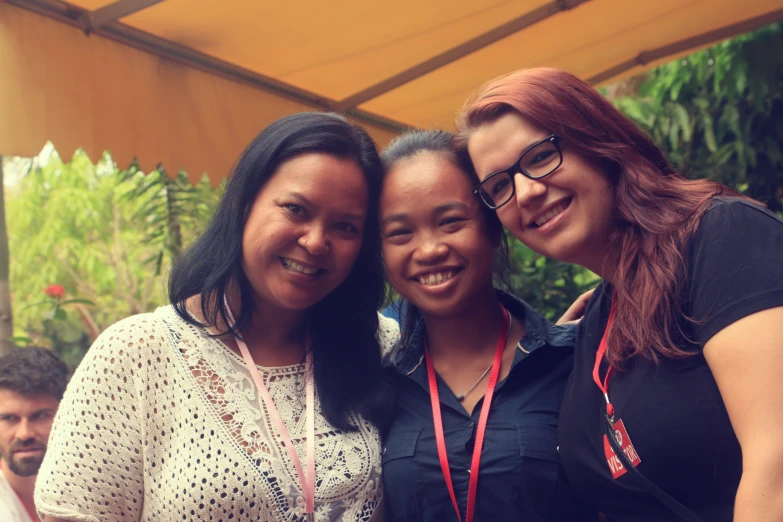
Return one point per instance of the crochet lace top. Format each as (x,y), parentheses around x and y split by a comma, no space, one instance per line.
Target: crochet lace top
(161,422)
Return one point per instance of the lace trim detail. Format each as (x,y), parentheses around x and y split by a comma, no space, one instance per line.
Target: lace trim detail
(347,464)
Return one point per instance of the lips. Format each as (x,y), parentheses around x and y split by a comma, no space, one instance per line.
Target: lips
(300,267)
(436,277)
(550,213)
(28,449)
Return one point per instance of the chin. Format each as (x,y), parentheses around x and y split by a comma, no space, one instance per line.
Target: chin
(294,301)
(450,308)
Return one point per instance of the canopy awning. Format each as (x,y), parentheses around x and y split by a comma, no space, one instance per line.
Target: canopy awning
(189,82)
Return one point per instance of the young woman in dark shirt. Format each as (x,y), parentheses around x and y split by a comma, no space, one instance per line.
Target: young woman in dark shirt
(474,363)
(689,318)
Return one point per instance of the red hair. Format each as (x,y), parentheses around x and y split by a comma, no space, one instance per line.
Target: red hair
(658,208)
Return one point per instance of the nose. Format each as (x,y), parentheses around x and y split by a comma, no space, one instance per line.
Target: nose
(430,250)
(24,430)
(315,241)
(528,190)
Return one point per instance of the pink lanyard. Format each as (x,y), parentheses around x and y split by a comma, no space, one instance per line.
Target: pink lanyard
(482,425)
(307,481)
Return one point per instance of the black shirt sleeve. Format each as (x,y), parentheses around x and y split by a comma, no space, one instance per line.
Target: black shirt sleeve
(735,266)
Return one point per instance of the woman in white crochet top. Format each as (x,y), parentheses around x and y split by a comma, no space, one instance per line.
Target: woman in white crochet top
(166,417)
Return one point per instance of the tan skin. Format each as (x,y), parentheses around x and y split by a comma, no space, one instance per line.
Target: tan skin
(312,212)
(431,223)
(474,342)
(749,380)
(25,423)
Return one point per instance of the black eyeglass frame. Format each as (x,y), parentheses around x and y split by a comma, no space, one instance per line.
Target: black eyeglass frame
(515,169)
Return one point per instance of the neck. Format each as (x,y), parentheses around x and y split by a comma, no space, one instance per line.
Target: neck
(604,263)
(275,337)
(23,487)
(465,335)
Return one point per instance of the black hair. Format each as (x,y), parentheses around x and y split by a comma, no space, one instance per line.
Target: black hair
(343,326)
(414,143)
(33,371)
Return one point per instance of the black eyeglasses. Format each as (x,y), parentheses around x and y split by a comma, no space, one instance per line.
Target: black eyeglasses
(538,161)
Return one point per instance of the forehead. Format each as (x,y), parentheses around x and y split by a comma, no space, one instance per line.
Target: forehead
(427,178)
(322,178)
(497,144)
(15,403)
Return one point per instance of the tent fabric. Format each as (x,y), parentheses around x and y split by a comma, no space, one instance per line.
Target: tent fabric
(189,82)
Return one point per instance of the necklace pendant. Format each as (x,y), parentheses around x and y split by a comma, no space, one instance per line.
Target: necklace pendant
(461,397)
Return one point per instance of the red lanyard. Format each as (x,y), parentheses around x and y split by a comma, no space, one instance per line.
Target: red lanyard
(599,356)
(482,425)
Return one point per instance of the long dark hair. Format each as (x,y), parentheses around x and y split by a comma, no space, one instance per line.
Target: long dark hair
(343,326)
(413,143)
(659,209)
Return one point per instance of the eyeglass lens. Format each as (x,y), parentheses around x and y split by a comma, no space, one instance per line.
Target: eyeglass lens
(536,163)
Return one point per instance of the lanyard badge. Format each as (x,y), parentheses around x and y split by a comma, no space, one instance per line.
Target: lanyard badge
(616,467)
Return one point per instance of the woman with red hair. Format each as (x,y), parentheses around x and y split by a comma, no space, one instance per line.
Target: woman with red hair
(677,357)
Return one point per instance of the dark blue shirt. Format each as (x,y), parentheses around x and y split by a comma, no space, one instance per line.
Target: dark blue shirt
(519,478)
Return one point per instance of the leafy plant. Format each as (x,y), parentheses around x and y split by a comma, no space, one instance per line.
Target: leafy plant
(75,223)
(718,113)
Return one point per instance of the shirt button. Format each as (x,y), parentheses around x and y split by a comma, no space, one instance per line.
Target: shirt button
(468,472)
(470,425)
(383,452)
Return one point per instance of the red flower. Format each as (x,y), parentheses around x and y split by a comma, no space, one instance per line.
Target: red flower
(54,291)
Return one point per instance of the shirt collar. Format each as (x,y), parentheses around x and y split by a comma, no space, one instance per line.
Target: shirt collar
(538,332)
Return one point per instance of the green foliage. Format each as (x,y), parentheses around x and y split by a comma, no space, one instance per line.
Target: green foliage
(547,285)
(88,229)
(168,207)
(108,237)
(718,113)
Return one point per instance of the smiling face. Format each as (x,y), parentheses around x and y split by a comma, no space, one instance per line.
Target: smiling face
(25,423)
(436,246)
(568,215)
(304,231)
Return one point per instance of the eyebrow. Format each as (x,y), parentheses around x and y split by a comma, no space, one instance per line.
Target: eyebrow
(440,209)
(392,218)
(36,412)
(452,205)
(349,216)
(524,151)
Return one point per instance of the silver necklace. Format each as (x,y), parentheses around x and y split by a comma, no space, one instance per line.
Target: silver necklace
(461,396)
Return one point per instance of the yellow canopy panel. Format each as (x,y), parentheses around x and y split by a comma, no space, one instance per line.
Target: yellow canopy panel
(189,82)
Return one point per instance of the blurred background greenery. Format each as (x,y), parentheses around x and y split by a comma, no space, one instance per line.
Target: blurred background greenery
(108,236)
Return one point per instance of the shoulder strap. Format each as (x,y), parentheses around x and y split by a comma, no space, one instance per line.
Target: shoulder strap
(666,499)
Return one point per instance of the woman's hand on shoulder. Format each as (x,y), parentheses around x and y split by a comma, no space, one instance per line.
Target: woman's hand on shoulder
(577,309)
(745,359)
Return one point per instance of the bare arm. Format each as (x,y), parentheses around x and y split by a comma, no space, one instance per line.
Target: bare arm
(747,362)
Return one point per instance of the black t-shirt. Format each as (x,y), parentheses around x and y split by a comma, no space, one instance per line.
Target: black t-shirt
(673,411)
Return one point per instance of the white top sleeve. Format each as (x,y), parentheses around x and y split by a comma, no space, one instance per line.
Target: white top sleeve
(162,422)
(93,465)
(388,333)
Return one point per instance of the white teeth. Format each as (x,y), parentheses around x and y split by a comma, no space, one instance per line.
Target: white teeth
(552,213)
(436,278)
(297,267)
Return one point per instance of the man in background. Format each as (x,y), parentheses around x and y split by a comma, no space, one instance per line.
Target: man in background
(32,382)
